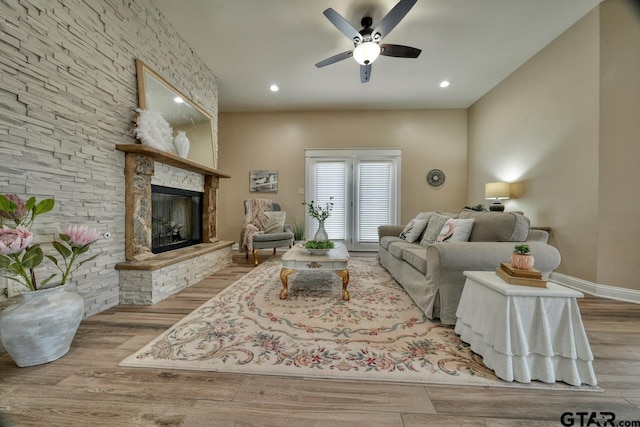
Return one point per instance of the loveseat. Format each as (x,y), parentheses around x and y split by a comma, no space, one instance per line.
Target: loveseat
(431,272)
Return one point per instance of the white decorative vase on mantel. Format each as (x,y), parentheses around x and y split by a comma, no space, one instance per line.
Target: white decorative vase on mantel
(182,144)
(40,327)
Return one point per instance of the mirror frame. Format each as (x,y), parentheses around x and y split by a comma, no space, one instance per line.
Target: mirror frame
(141,70)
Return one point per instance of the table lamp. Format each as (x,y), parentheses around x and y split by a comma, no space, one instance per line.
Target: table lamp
(496,191)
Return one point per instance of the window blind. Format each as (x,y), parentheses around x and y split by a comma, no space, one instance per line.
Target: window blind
(331,180)
(373,199)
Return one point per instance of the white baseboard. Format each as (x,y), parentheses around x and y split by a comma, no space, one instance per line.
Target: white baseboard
(597,289)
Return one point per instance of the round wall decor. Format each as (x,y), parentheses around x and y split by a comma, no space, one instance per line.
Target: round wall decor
(435,177)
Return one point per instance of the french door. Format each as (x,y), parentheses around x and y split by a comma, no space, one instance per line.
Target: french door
(365,186)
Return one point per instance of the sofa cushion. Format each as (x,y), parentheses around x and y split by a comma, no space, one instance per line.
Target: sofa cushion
(424,215)
(417,257)
(386,240)
(396,248)
(449,214)
(413,230)
(272,237)
(456,230)
(436,222)
(497,226)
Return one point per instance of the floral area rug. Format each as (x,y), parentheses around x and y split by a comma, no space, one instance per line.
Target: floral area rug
(380,334)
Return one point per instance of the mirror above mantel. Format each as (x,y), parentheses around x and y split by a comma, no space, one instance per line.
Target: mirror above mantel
(157,94)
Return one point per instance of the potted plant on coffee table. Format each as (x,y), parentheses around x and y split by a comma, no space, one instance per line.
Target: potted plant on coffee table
(320,214)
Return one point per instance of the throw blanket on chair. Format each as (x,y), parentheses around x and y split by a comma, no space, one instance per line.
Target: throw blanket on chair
(254,222)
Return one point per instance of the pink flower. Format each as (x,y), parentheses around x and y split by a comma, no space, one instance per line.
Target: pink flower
(14,240)
(81,235)
(19,212)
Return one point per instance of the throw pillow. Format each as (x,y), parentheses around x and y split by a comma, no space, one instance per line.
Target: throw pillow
(424,215)
(413,230)
(275,222)
(456,230)
(436,222)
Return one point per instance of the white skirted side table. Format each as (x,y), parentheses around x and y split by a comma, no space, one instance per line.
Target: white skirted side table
(525,333)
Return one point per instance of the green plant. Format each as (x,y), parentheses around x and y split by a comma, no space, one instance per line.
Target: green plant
(479,208)
(298,231)
(317,211)
(522,249)
(319,244)
(20,258)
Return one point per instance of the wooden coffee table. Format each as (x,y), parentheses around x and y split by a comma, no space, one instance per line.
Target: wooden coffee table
(298,258)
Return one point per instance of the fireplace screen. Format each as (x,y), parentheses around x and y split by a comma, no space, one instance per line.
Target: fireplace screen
(176,218)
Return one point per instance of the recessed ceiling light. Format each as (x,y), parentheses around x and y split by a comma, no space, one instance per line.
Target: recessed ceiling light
(444,83)
(178,100)
(274,88)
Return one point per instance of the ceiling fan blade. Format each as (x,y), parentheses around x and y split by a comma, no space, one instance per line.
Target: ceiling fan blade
(392,18)
(399,51)
(335,58)
(365,73)
(343,25)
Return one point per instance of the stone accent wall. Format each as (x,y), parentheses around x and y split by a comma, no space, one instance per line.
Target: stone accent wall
(68,95)
(169,176)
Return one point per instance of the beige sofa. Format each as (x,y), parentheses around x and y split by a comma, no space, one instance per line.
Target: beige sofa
(432,273)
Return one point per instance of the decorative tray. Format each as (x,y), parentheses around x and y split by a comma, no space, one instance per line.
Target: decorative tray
(317,251)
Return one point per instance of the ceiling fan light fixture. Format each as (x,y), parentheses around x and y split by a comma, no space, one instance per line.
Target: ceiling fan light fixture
(367,52)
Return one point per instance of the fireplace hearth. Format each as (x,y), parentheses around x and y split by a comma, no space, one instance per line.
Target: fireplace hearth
(176,218)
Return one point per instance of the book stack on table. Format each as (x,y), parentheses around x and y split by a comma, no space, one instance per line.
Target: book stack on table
(518,276)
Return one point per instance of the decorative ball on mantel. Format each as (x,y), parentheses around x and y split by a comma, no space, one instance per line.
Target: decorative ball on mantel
(153,130)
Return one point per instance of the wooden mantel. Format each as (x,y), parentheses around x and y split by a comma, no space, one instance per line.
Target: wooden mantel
(170,159)
(139,169)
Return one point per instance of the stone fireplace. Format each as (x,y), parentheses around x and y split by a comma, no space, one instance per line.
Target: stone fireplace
(162,258)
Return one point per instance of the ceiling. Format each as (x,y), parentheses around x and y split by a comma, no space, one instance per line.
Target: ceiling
(474,44)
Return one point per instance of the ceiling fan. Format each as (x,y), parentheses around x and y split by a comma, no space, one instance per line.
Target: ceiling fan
(366,42)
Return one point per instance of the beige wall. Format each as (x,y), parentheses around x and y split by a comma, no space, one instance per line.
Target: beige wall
(538,129)
(564,128)
(428,138)
(619,205)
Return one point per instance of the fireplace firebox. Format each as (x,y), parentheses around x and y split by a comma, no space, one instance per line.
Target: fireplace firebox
(176,218)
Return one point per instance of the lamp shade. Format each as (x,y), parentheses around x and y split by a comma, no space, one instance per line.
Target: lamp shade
(496,190)
(366,53)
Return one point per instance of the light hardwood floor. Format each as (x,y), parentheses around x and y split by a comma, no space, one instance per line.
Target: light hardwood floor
(87,388)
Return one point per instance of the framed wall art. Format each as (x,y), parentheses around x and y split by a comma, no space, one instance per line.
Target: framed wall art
(263,181)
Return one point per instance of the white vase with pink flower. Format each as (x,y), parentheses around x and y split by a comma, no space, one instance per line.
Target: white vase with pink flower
(39,327)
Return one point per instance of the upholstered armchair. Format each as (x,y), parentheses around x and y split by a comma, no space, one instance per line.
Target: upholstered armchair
(260,233)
